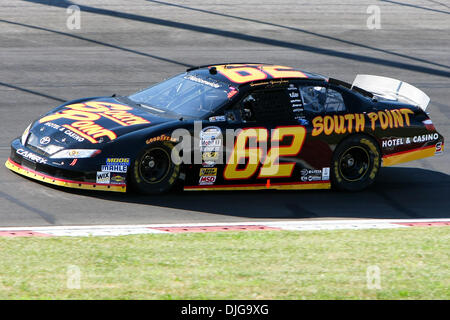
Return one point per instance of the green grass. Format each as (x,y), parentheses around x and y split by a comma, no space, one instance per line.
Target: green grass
(413,263)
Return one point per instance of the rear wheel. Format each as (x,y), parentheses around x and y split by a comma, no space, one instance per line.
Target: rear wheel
(153,171)
(356,162)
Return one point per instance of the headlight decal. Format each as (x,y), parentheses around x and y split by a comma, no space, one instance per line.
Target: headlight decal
(75,154)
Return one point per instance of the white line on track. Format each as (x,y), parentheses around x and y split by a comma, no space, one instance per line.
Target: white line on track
(117,230)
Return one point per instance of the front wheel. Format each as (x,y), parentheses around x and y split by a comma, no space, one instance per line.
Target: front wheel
(153,171)
(356,162)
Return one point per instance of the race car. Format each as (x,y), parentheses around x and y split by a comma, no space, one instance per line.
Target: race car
(235,126)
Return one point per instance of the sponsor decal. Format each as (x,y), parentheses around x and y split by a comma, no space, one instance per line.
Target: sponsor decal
(439,148)
(326,173)
(208,172)
(114,168)
(117,178)
(210,139)
(162,137)
(103,177)
(85,115)
(211,143)
(312,175)
(74,162)
(116,165)
(31,156)
(425,137)
(209,158)
(393,142)
(302,120)
(356,122)
(118,161)
(73,135)
(294,94)
(52,125)
(207,180)
(44,141)
(202,81)
(233,91)
(217,119)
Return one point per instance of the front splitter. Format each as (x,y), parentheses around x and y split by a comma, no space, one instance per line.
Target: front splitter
(30,173)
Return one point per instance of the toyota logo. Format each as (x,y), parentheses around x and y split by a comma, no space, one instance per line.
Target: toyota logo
(44,140)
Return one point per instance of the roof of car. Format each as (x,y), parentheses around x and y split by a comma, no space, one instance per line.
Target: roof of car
(243,73)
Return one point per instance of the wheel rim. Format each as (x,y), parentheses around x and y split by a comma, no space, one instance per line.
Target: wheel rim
(354,163)
(154,165)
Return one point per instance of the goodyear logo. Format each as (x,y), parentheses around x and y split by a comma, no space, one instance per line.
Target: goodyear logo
(208,172)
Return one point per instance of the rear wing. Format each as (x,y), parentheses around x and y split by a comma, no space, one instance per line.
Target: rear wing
(392,89)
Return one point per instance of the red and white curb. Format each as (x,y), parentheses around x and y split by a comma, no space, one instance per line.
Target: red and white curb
(120,230)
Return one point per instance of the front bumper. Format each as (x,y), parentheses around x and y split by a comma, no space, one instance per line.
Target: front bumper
(54,175)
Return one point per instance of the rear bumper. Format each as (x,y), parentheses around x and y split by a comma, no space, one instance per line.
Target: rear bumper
(37,168)
(414,154)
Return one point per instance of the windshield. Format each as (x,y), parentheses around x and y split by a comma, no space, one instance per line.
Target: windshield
(186,95)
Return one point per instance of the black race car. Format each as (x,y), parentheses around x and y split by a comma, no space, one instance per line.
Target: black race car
(231,127)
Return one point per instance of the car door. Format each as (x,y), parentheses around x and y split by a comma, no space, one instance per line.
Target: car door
(261,140)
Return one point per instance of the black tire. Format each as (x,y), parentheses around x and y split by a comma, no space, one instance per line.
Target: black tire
(153,171)
(356,162)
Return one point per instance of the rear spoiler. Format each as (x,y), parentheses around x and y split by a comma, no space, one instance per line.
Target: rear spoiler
(392,89)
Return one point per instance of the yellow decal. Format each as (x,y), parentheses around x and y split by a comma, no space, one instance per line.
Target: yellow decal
(241,152)
(85,115)
(208,172)
(271,166)
(356,122)
(247,151)
(162,137)
(241,73)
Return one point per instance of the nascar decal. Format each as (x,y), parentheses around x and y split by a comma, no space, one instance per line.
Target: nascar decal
(85,115)
(339,124)
(240,73)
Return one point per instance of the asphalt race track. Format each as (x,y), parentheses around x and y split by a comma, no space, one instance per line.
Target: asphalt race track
(123,46)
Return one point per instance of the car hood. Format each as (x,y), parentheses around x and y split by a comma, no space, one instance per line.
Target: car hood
(88,124)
